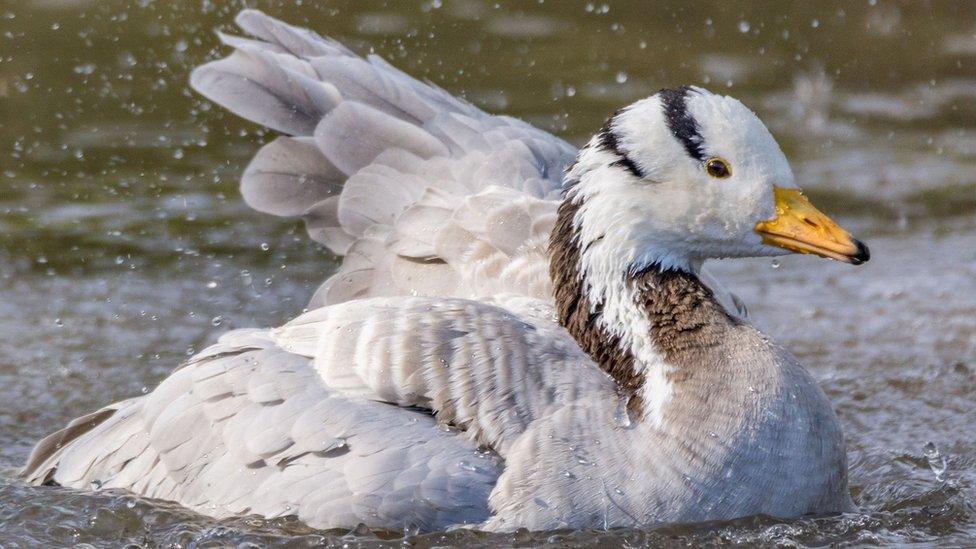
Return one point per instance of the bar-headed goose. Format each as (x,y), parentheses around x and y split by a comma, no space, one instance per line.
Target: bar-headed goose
(519,335)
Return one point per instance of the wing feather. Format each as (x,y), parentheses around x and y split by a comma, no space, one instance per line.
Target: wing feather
(289,174)
(476,364)
(391,148)
(280,442)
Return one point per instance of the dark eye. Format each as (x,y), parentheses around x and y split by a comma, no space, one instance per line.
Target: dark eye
(716,167)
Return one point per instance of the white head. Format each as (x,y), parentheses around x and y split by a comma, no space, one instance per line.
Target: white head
(686,175)
(670,181)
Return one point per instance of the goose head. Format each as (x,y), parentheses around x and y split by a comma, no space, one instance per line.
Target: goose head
(687,175)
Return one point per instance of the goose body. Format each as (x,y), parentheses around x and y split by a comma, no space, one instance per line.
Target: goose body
(521,334)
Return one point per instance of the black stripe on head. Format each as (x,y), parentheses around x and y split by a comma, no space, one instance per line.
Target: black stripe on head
(682,124)
(608,142)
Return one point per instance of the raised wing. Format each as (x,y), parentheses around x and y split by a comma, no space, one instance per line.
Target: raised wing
(377,411)
(424,193)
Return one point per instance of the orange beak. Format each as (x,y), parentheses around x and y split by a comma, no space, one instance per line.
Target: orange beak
(801,228)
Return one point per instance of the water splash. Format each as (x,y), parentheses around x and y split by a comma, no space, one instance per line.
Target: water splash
(621,416)
(937,462)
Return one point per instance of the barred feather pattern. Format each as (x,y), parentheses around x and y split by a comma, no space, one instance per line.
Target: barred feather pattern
(395,412)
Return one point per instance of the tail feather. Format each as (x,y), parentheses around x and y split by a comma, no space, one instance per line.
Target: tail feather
(43,461)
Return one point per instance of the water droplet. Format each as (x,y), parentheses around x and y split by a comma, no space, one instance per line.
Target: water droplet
(265,246)
(775,264)
(937,462)
(212,284)
(410,530)
(621,416)
(144,389)
(744,26)
(58,322)
(621,77)
(217,320)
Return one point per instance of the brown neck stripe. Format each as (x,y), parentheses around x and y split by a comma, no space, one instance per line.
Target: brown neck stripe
(685,318)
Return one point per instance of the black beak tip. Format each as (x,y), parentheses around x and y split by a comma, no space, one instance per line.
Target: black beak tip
(862,255)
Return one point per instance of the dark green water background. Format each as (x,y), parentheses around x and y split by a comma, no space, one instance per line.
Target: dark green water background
(124,244)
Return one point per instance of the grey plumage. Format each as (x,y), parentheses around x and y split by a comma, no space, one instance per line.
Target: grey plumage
(249,428)
(399,147)
(287,175)
(429,384)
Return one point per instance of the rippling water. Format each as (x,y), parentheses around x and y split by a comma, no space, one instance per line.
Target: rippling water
(124,244)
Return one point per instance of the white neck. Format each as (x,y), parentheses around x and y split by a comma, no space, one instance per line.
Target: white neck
(610,256)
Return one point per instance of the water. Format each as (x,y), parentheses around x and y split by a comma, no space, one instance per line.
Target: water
(123,238)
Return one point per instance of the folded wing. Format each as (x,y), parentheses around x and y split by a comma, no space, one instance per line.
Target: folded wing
(388,411)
